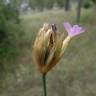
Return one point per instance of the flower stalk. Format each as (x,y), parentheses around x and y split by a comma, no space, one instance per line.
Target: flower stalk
(44,84)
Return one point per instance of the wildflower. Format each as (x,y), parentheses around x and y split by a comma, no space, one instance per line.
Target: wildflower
(49,47)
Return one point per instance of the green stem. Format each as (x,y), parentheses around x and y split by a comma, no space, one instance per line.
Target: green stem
(44,85)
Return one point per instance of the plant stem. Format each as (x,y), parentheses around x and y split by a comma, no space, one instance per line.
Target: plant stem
(44,85)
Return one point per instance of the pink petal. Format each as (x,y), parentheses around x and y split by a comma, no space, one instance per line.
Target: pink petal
(76,30)
(67,27)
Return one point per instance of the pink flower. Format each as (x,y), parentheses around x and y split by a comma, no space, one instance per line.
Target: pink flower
(73,30)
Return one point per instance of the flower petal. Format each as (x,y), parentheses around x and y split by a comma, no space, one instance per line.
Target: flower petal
(76,30)
(67,26)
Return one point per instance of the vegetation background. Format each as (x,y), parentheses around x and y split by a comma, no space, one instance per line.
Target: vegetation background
(74,75)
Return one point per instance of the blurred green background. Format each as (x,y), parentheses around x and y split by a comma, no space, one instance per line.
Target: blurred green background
(20,20)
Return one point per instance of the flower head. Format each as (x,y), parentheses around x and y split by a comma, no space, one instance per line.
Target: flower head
(50,45)
(47,47)
(73,30)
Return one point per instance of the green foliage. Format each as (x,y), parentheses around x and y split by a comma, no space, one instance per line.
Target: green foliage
(10,33)
(94,1)
(88,3)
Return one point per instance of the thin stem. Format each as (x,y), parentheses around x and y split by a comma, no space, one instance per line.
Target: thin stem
(44,85)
